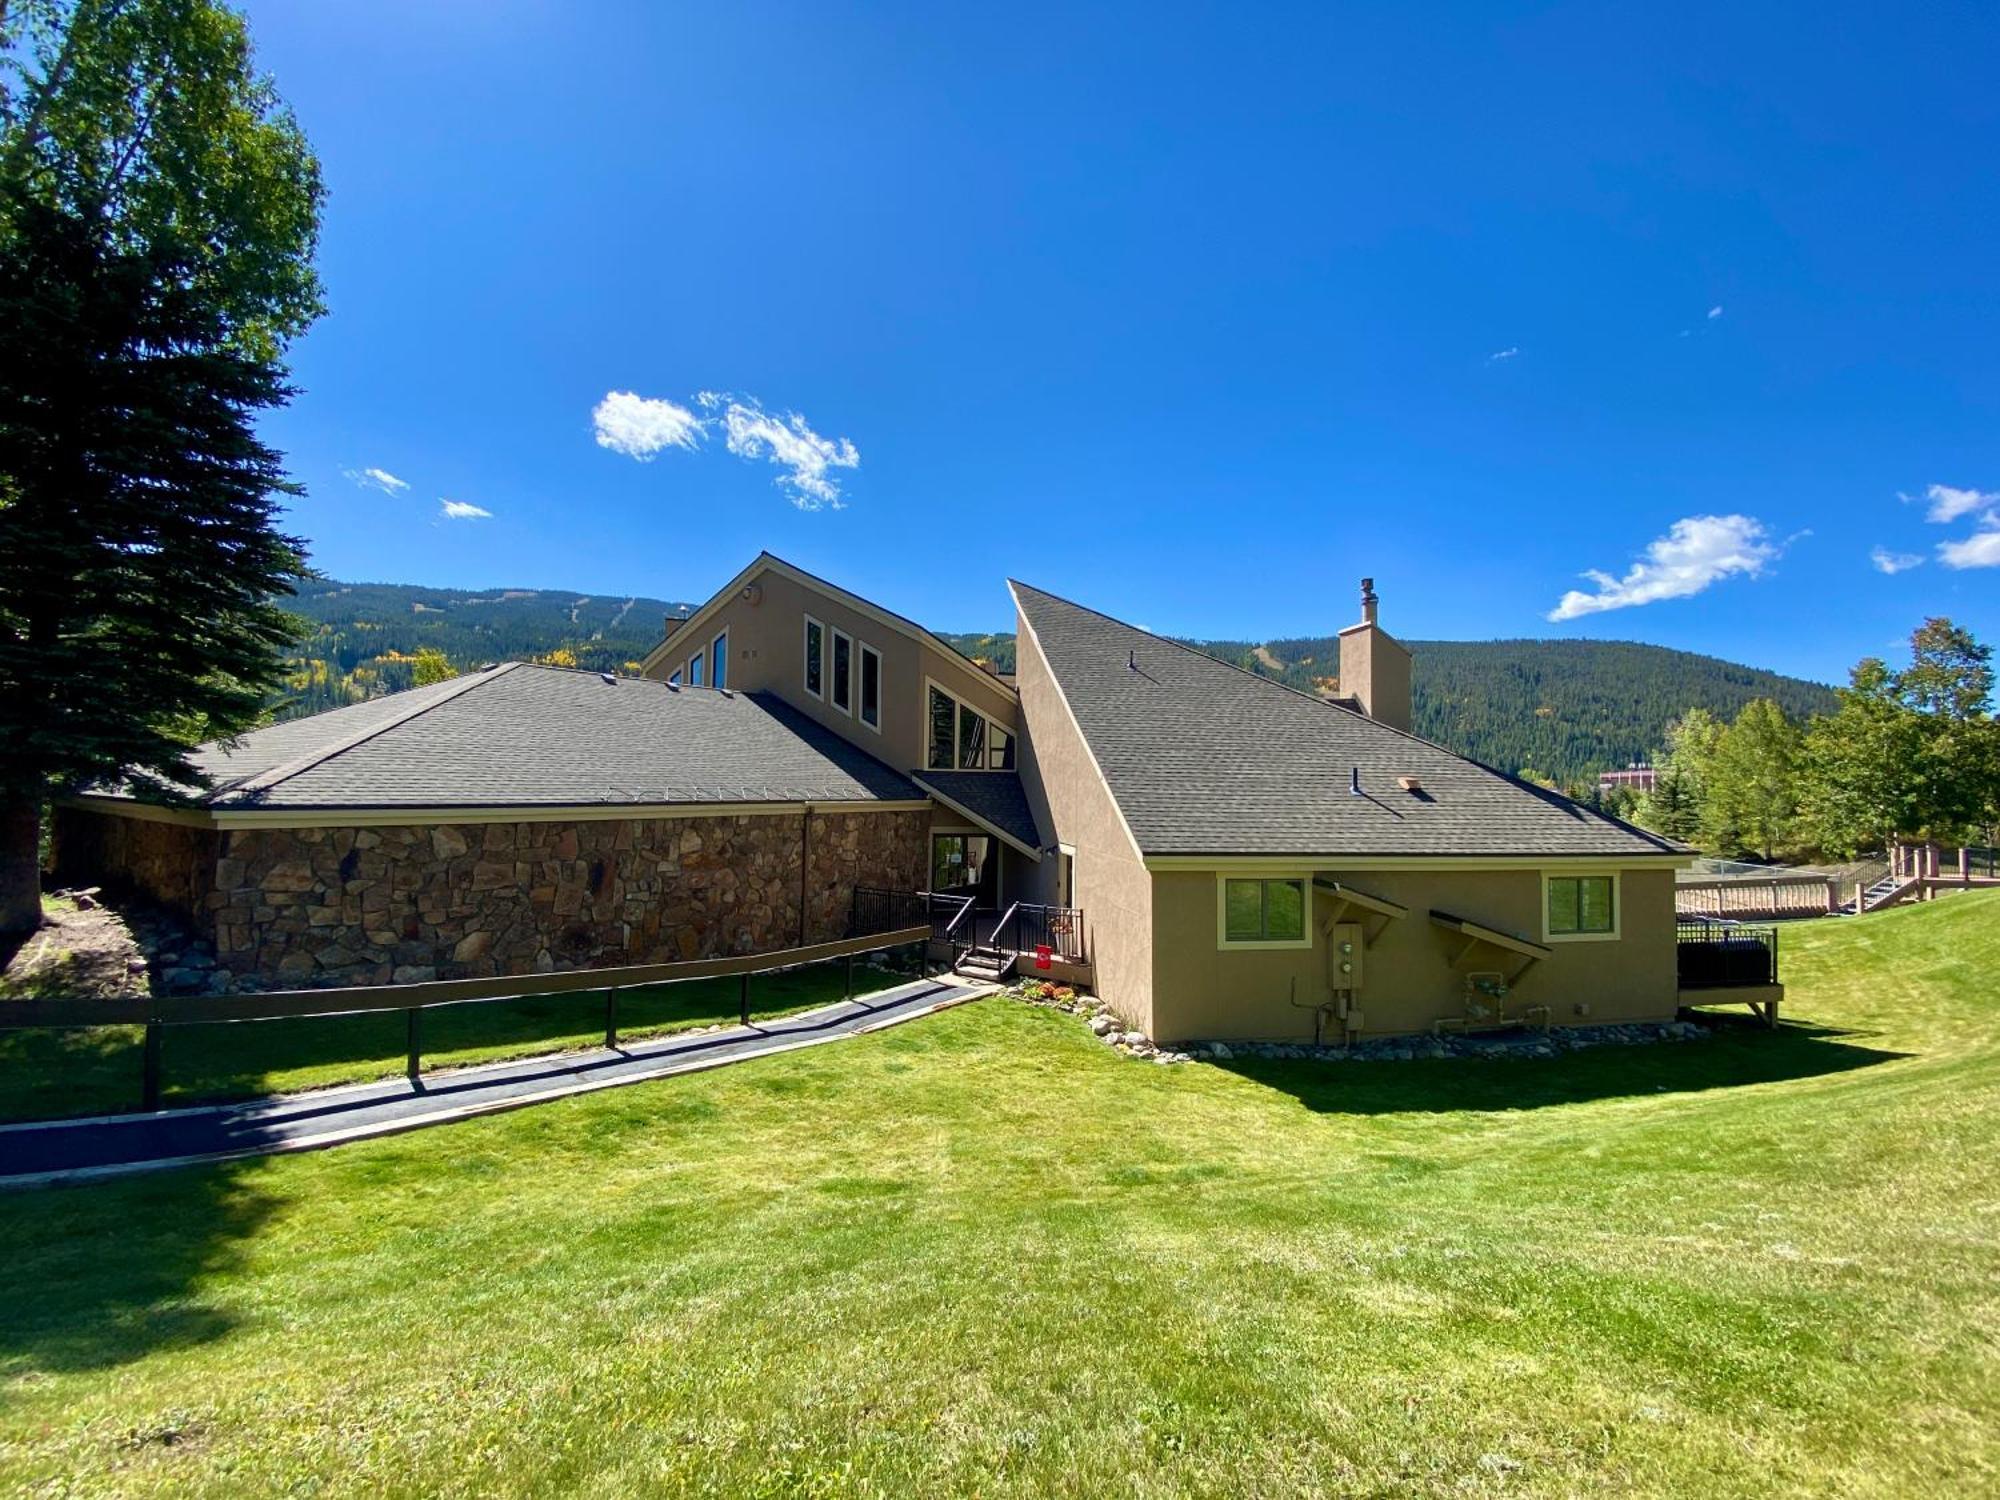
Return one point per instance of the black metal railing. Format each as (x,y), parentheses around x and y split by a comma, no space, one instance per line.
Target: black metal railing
(877,910)
(1980,860)
(1027,927)
(874,910)
(1725,955)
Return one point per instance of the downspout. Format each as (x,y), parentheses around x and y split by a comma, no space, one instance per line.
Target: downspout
(805,868)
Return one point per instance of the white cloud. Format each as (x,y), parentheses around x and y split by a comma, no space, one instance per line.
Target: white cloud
(788,442)
(460,510)
(1696,552)
(1948,504)
(1893,563)
(1714,313)
(377,479)
(1498,355)
(1980,550)
(640,426)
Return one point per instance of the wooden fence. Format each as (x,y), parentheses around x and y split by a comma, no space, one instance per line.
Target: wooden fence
(1753,898)
(154,1012)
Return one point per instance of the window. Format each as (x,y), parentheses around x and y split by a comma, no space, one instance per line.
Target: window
(943,716)
(958,860)
(843,665)
(815,657)
(958,737)
(674,678)
(871,687)
(718,658)
(1581,906)
(1260,913)
(971,739)
(694,670)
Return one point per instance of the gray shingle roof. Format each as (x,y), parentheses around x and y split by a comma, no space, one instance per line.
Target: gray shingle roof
(532,736)
(1204,758)
(995,798)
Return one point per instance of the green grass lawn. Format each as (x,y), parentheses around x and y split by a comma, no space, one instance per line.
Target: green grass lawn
(51,1074)
(984,1254)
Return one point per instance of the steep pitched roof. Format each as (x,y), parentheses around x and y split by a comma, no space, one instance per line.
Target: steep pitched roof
(691,628)
(1206,759)
(994,800)
(531,736)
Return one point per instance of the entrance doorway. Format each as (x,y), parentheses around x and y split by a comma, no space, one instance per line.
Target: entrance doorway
(964,864)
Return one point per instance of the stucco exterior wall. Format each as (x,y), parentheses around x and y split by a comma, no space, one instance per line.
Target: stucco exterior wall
(170,863)
(294,907)
(1109,881)
(1375,668)
(1204,991)
(767,654)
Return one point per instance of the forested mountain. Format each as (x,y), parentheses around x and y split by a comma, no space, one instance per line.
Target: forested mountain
(365,635)
(1562,709)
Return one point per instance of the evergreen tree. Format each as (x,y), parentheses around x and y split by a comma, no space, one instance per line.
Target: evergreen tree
(1680,790)
(158,210)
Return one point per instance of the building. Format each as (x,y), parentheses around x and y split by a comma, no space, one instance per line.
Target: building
(1222,855)
(1634,778)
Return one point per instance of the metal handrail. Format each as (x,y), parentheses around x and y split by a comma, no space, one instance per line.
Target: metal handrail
(963,912)
(1012,914)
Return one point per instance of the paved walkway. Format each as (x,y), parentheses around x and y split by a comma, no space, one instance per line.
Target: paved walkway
(61,1150)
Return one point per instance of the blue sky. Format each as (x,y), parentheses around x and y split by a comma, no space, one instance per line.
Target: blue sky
(1195,314)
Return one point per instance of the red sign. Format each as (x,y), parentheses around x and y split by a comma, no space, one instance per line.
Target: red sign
(1042,954)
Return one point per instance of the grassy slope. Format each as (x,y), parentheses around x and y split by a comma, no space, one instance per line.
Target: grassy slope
(984,1253)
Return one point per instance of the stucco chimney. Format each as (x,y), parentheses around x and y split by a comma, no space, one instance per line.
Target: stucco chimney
(1374,666)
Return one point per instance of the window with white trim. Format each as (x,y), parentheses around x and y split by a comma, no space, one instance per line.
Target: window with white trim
(718,656)
(694,670)
(1262,912)
(958,737)
(871,686)
(815,663)
(1580,906)
(842,696)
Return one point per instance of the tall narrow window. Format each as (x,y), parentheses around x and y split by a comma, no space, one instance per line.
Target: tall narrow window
(971,739)
(843,673)
(718,658)
(942,715)
(1000,751)
(694,670)
(815,658)
(871,686)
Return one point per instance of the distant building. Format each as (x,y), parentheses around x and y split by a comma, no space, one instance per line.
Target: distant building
(1634,778)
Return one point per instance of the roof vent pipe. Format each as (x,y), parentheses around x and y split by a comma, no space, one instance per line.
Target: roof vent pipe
(1354,782)
(1132,660)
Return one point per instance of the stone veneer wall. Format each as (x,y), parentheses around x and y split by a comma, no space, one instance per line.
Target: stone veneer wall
(169,862)
(296,907)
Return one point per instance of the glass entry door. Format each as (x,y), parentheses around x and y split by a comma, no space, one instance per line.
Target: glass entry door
(963,864)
